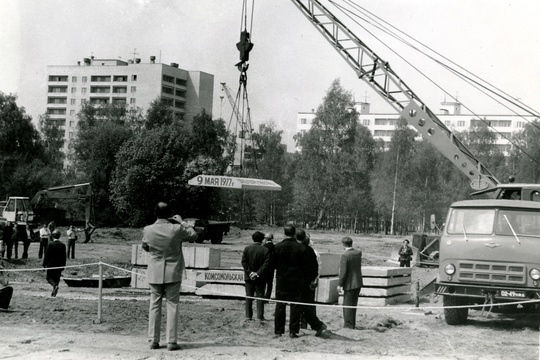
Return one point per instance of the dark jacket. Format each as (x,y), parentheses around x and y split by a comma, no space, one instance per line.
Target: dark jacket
(405,254)
(289,262)
(350,269)
(55,255)
(255,258)
(271,249)
(311,268)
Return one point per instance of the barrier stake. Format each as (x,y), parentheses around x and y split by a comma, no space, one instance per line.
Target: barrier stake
(100,293)
(417,301)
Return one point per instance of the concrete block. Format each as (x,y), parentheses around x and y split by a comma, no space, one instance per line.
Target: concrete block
(222,290)
(380,271)
(380,301)
(138,278)
(386,281)
(386,291)
(329,264)
(227,276)
(138,256)
(327,292)
(199,257)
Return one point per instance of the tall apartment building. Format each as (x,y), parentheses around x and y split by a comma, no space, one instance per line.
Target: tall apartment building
(382,125)
(106,81)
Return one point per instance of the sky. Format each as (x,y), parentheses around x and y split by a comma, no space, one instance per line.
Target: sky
(291,65)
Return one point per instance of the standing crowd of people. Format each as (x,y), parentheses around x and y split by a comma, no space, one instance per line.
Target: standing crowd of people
(51,249)
(293,260)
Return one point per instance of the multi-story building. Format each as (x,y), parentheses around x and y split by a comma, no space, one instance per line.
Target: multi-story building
(382,125)
(105,81)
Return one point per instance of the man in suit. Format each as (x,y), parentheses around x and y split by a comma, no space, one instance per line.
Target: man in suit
(163,242)
(269,244)
(255,261)
(289,259)
(350,281)
(311,273)
(55,257)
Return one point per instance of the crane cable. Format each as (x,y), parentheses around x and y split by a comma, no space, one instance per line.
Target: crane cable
(242,93)
(507,97)
(343,10)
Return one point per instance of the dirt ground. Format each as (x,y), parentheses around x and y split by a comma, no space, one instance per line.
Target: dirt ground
(40,327)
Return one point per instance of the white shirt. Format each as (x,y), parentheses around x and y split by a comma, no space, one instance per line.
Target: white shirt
(44,232)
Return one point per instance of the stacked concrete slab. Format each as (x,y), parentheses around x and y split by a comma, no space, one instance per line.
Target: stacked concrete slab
(196,259)
(384,286)
(205,277)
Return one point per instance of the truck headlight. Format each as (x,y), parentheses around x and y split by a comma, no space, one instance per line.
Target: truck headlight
(451,269)
(535,274)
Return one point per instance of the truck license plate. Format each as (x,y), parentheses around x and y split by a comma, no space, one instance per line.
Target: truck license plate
(514,294)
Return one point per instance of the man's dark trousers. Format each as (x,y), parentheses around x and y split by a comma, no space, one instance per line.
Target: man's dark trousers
(296,311)
(71,248)
(350,298)
(309,312)
(42,246)
(255,289)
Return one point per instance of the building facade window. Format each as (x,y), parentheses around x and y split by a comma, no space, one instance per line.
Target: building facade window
(83,90)
(58,78)
(73,79)
(84,79)
(52,111)
(121,78)
(461,123)
(181,82)
(448,123)
(58,89)
(119,89)
(83,101)
(73,90)
(167,90)
(72,124)
(365,122)
(100,89)
(56,100)
(133,77)
(132,101)
(303,121)
(133,89)
(180,93)
(100,78)
(169,79)
(73,101)
(71,112)
(179,104)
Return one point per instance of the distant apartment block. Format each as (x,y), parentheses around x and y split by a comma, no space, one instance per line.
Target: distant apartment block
(382,126)
(112,81)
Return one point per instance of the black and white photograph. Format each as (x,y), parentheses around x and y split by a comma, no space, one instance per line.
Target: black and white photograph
(269,179)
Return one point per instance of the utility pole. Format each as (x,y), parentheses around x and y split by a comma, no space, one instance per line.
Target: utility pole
(392,231)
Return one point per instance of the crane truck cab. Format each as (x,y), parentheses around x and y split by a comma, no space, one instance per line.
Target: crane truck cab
(19,211)
(489,255)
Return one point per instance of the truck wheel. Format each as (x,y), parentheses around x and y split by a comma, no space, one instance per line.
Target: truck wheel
(217,239)
(455,316)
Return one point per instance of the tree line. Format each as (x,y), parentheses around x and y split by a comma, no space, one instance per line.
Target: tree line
(342,179)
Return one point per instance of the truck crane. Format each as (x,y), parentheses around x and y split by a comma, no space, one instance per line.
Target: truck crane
(23,212)
(489,248)
(83,192)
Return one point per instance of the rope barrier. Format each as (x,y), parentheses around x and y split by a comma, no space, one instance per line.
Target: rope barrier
(223,293)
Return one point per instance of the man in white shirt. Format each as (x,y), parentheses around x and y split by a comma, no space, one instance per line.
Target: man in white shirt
(44,236)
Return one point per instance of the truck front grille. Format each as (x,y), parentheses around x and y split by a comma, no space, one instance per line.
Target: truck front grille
(495,273)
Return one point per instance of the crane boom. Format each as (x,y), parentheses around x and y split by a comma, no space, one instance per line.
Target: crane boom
(378,74)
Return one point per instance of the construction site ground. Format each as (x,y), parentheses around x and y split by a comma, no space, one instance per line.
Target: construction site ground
(65,327)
